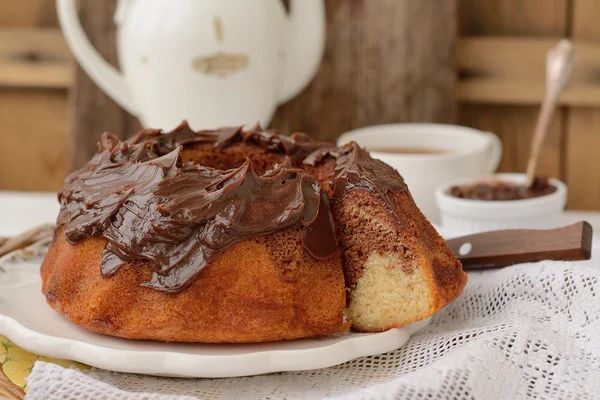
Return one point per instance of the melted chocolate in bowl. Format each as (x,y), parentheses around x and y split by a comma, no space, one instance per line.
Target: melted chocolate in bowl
(502,191)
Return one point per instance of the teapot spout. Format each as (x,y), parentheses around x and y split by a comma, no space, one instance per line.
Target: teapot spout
(304,46)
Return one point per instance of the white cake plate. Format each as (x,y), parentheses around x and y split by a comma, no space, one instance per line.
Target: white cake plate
(31,324)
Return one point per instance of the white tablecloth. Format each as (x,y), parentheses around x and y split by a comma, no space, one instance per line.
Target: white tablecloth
(524,332)
(22,210)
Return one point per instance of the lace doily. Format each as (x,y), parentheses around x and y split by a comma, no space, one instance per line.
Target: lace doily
(529,331)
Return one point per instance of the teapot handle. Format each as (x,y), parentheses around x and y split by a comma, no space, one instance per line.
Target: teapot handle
(104,75)
(304,46)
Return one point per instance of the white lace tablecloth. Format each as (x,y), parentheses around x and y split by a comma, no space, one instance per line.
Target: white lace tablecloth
(527,331)
(530,331)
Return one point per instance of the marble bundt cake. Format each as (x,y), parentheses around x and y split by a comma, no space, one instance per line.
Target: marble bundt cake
(239,236)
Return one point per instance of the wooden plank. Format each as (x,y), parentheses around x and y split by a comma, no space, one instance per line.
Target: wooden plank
(515,124)
(509,123)
(512,17)
(511,70)
(34,57)
(583,124)
(382,64)
(582,161)
(93,111)
(504,70)
(25,13)
(34,142)
(510,91)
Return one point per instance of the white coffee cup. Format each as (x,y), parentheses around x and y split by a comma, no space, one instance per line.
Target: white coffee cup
(457,152)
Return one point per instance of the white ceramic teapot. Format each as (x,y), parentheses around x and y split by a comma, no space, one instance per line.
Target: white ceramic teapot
(211,62)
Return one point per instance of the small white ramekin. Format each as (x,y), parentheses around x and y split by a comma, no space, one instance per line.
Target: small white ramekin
(470,216)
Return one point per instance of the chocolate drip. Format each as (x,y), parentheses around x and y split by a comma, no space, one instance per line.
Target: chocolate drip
(177,218)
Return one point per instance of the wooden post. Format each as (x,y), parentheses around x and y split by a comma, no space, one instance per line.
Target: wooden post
(386,61)
(93,111)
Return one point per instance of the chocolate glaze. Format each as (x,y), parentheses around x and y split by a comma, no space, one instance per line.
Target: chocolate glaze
(178,217)
(355,169)
(297,146)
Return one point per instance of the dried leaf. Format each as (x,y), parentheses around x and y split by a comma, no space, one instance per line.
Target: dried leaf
(26,238)
(8,390)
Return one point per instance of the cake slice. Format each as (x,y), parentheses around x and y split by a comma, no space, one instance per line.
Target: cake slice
(397,268)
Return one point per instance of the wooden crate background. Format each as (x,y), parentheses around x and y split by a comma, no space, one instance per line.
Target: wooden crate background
(498,58)
(501,67)
(35,71)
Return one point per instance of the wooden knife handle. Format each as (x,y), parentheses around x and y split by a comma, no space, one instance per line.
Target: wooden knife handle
(502,248)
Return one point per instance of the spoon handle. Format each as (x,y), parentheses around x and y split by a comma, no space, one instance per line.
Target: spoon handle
(559,64)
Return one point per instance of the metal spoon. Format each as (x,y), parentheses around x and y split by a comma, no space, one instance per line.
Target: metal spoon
(559,64)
